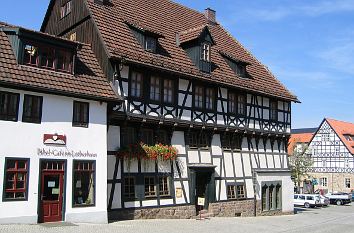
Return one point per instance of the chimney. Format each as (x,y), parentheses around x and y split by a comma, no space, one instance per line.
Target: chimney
(210,14)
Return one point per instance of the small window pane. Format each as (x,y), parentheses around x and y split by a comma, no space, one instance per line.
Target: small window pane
(16,173)
(199,97)
(32,109)
(136,85)
(129,187)
(81,114)
(155,88)
(209,98)
(241,105)
(84,183)
(150,188)
(150,44)
(31,54)
(164,186)
(168,92)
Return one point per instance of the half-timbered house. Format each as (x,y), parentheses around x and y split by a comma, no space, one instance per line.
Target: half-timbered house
(188,83)
(332,149)
(53,104)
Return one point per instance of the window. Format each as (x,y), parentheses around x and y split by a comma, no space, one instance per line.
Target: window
(150,44)
(241,70)
(81,114)
(147,136)
(198,139)
(347,183)
(230,141)
(278,197)
(231,192)
(241,191)
(324,163)
(30,55)
(32,109)
(47,57)
(163,137)
(129,136)
(236,191)
(168,92)
(136,85)
(273,111)
(64,60)
(241,105)
(237,104)
(198,97)
(325,137)
(9,103)
(65,9)
(164,186)
(209,98)
(84,183)
(155,88)
(205,53)
(271,196)
(232,103)
(150,188)
(264,198)
(323,181)
(129,187)
(16,174)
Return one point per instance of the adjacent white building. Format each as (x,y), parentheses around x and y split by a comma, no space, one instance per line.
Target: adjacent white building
(53,130)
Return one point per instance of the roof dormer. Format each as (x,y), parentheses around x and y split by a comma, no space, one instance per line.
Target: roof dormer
(42,50)
(197,43)
(147,38)
(237,65)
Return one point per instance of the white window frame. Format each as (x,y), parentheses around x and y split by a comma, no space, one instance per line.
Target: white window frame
(205,53)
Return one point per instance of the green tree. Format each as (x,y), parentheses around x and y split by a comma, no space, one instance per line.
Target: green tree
(300,162)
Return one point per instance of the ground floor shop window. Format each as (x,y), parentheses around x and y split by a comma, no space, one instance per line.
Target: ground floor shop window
(129,187)
(16,175)
(271,196)
(235,191)
(84,183)
(150,187)
(164,186)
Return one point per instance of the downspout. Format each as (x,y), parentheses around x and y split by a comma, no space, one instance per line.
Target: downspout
(254,174)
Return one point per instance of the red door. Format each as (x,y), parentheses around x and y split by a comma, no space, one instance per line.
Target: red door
(52,180)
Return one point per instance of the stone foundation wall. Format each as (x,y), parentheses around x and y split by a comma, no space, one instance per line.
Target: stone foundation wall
(243,208)
(240,208)
(174,212)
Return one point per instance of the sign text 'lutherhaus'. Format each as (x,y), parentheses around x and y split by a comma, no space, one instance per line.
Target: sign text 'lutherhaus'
(65,153)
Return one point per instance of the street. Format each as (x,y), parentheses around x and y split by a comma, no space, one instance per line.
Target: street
(330,219)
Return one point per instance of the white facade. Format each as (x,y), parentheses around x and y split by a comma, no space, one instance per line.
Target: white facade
(25,140)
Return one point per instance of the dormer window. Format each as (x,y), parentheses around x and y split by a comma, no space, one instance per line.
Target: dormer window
(65,9)
(47,57)
(238,66)
(150,44)
(205,52)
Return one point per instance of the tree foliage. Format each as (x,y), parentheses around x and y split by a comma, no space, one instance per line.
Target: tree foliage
(300,162)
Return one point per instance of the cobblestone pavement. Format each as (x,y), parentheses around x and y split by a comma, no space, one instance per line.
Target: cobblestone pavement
(331,219)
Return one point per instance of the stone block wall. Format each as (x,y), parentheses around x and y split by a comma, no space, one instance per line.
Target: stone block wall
(174,212)
(335,181)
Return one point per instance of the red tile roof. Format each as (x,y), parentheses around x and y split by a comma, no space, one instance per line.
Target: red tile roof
(343,128)
(304,138)
(88,82)
(169,18)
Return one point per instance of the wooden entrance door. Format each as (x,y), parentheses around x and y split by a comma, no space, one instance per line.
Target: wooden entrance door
(201,189)
(52,189)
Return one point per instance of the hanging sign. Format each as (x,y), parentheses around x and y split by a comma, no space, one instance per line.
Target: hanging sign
(54,139)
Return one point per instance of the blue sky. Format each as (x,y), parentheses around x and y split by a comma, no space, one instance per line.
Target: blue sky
(308,45)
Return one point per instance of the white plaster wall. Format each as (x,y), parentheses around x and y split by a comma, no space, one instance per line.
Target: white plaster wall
(24,139)
(287,188)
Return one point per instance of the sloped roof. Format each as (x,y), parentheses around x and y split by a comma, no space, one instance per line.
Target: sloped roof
(343,128)
(169,18)
(295,138)
(88,82)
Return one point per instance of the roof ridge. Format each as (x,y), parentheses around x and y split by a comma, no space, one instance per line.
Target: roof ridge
(257,61)
(347,122)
